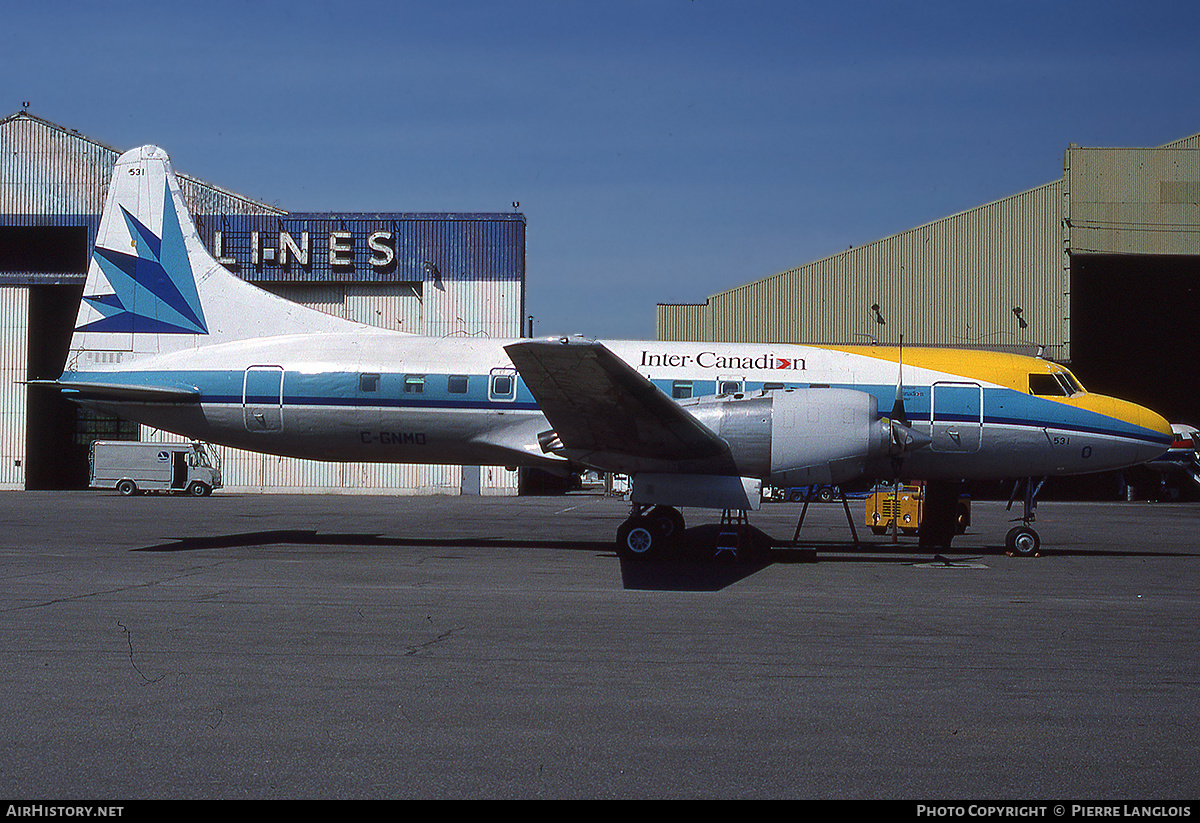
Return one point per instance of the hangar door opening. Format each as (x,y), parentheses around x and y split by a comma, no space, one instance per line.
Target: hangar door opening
(1134,323)
(59,433)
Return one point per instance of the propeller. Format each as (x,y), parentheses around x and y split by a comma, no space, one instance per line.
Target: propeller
(904,438)
(898,412)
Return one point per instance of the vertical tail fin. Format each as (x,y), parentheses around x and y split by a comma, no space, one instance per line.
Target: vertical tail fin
(153,288)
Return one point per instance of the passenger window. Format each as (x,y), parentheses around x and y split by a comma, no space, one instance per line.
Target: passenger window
(681,389)
(368,382)
(1045,385)
(502,386)
(456,384)
(414,383)
(772,386)
(728,386)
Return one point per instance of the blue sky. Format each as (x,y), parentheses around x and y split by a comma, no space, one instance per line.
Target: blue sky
(662,150)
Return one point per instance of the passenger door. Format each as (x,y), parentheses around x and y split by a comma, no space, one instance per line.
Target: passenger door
(262,398)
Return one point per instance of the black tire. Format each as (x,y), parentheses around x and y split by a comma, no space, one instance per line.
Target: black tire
(669,522)
(1022,541)
(639,538)
(826,495)
(127,488)
(198,489)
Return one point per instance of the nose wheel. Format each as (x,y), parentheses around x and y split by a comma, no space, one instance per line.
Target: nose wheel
(1022,541)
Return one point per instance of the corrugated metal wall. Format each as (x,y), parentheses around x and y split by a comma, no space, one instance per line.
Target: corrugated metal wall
(951,282)
(1133,201)
(959,281)
(71,171)
(14,360)
(51,176)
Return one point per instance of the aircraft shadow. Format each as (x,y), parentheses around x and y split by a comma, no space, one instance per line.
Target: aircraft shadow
(696,566)
(689,569)
(311,537)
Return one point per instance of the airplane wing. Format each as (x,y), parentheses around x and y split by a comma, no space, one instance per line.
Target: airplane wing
(120,393)
(607,414)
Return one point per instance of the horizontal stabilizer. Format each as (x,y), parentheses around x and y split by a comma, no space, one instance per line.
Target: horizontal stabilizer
(603,410)
(120,393)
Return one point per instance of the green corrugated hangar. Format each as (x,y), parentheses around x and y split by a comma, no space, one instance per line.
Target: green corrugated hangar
(1100,269)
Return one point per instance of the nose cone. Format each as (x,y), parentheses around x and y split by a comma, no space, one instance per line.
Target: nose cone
(1156,423)
(1146,433)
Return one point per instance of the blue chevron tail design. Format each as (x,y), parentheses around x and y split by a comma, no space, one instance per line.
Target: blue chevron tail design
(154,290)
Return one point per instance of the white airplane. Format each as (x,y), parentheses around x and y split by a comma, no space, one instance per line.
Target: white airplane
(1183,458)
(168,337)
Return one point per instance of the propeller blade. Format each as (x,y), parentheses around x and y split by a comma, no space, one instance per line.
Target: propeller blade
(898,413)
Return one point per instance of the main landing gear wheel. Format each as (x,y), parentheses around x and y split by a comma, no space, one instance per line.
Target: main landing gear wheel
(669,522)
(640,537)
(649,533)
(1022,541)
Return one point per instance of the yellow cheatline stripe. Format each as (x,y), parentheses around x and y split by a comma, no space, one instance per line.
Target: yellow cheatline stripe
(1011,371)
(1119,410)
(1008,370)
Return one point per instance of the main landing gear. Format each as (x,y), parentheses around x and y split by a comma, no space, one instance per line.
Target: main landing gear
(1023,540)
(652,531)
(649,532)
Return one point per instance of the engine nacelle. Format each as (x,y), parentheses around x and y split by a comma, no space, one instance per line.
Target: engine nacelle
(798,437)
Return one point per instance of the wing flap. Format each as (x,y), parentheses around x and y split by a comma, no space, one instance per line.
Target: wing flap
(600,406)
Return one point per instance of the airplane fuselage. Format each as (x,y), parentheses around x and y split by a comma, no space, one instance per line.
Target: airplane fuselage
(388,397)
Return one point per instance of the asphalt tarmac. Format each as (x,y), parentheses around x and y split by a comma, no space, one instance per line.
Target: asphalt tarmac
(270,646)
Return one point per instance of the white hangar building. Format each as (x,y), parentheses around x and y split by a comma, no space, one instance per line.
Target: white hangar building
(432,274)
(1099,269)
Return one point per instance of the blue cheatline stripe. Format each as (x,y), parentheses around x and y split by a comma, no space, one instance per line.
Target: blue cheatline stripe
(340,389)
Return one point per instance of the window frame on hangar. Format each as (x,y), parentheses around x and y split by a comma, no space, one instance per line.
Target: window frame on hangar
(438,274)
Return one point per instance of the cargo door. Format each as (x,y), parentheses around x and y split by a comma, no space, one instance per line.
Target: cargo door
(262,398)
(957,417)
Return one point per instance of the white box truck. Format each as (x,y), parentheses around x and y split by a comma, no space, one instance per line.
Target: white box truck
(131,467)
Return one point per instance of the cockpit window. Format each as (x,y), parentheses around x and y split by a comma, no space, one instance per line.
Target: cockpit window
(1046,385)
(1076,388)
(1054,384)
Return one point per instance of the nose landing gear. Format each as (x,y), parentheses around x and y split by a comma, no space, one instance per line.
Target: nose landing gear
(1023,540)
